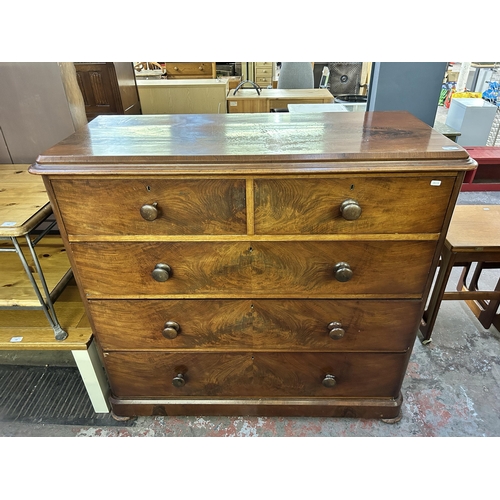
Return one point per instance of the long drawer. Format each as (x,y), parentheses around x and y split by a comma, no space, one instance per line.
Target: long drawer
(152,206)
(258,268)
(386,204)
(245,325)
(155,374)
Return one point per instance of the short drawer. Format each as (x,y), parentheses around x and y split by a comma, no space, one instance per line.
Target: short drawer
(258,268)
(154,374)
(263,81)
(151,206)
(352,205)
(247,325)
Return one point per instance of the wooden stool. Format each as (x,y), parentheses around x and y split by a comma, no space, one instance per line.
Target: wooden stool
(473,236)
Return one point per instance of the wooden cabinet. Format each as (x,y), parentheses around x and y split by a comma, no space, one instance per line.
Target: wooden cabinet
(108,88)
(266,264)
(195,96)
(264,74)
(186,70)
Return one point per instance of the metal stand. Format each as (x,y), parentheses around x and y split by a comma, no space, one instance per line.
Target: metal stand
(47,300)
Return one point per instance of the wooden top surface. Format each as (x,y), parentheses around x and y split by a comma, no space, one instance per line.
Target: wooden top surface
(188,82)
(23,200)
(475,226)
(249,93)
(278,142)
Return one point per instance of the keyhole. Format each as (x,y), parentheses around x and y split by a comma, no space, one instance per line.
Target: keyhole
(352,187)
(148,188)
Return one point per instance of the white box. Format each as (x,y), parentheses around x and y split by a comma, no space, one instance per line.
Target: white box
(473,118)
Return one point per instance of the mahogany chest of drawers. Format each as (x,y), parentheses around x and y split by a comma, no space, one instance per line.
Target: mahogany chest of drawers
(257,264)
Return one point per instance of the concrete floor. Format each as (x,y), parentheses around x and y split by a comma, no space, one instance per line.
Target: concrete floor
(451,389)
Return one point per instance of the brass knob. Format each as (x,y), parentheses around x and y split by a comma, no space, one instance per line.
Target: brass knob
(329,381)
(179,380)
(149,212)
(350,209)
(342,272)
(336,331)
(176,68)
(201,68)
(171,329)
(161,272)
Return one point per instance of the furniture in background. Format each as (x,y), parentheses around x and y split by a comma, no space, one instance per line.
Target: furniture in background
(40,105)
(264,74)
(487,175)
(407,86)
(473,237)
(195,96)
(296,75)
(35,273)
(189,70)
(250,101)
(108,88)
(255,266)
(335,107)
(473,117)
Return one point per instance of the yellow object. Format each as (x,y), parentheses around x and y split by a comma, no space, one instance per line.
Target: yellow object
(467,94)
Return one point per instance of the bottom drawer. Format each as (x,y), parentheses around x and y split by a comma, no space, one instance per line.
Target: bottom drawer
(157,374)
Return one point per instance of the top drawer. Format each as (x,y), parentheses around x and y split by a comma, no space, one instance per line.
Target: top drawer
(123,207)
(382,205)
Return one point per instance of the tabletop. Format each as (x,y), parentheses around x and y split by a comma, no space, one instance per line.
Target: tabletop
(23,200)
(475,227)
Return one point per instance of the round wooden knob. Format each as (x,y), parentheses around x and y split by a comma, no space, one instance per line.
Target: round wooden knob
(336,331)
(161,272)
(171,329)
(179,380)
(149,212)
(329,381)
(342,272)
(350,209)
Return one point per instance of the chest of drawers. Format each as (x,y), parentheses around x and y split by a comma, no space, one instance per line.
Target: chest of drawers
(264,73)
(255,264)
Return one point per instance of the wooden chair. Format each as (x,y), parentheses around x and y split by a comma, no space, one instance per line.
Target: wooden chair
(473,237)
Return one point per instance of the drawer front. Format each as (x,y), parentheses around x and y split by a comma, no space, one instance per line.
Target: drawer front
(278,325)
(263,81)
(388,205)
(307,268)
(187,69)
(151,374)
(182,206)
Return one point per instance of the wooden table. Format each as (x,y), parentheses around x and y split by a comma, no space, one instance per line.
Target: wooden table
(249,101)
(24,205)
(473,236)
(35,273)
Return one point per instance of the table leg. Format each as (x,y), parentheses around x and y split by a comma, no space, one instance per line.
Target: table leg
(45,304)
(430,314)
(93,377)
